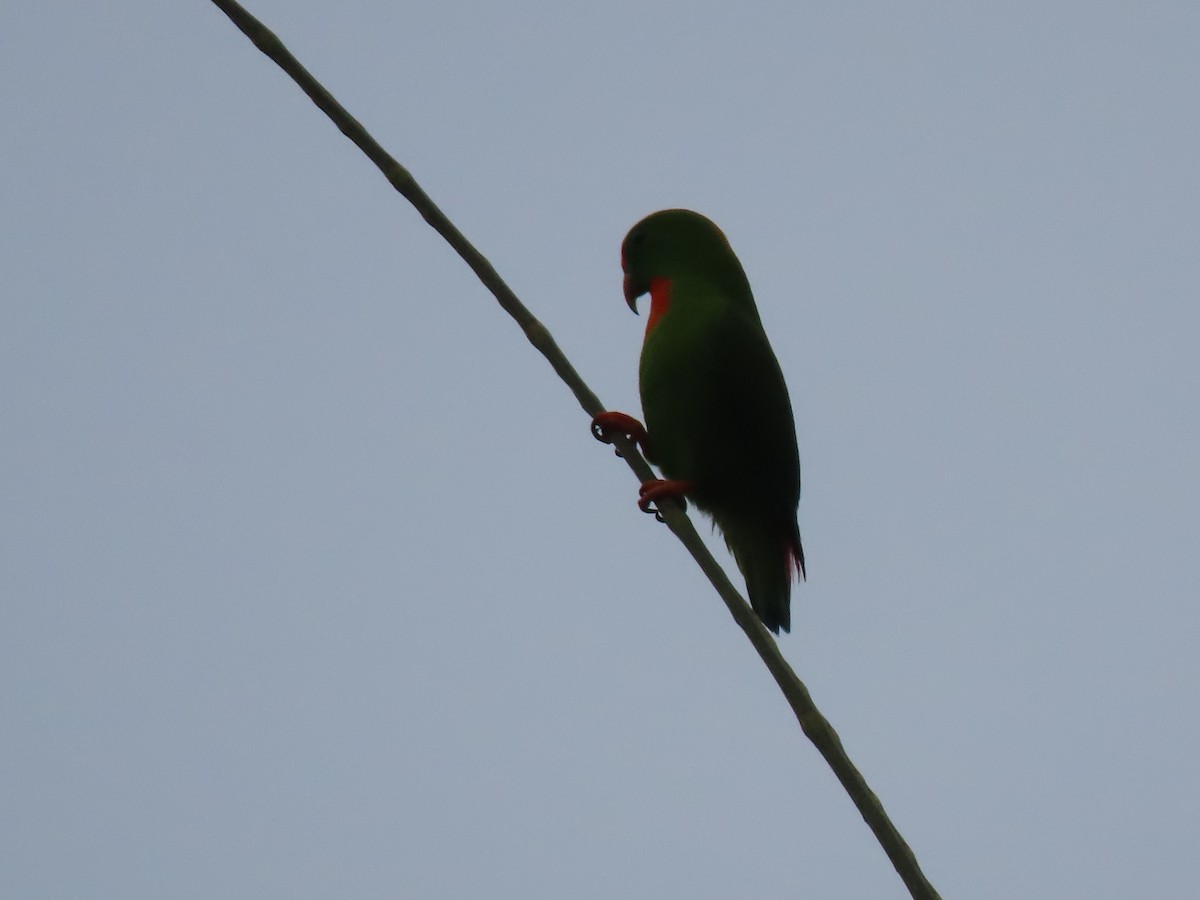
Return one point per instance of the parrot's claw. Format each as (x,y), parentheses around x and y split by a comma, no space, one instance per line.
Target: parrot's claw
(652,491)
(607,424)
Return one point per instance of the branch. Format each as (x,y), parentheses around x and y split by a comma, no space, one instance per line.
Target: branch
(815,726)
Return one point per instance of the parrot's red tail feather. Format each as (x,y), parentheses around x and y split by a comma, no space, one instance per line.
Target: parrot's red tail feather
(794,556)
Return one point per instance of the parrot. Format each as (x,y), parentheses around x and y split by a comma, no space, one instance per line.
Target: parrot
(718,418)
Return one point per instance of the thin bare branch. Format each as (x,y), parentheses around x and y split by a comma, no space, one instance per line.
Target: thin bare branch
(814,725)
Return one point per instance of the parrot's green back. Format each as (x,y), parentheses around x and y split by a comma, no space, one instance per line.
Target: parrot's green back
(715,403)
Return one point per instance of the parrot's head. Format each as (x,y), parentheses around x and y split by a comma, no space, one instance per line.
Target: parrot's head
(674,244)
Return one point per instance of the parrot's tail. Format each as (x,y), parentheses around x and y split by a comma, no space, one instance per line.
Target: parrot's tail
(769,563)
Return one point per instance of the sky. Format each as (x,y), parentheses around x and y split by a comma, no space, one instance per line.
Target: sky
(314,583)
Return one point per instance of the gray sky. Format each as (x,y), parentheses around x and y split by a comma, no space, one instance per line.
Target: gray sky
(315,584)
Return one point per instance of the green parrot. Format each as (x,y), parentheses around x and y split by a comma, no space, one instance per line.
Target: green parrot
(718,418)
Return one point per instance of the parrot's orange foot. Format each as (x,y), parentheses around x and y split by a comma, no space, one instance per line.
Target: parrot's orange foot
(607,424)
(657,489)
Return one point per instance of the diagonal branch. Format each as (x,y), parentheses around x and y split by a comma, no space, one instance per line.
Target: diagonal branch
(815,726)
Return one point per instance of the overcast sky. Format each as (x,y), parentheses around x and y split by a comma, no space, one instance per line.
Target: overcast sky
(314,583)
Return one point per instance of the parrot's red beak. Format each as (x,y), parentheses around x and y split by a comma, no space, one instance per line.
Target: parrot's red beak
(634,289)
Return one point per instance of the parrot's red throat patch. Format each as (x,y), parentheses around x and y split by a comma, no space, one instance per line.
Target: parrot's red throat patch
(660,301)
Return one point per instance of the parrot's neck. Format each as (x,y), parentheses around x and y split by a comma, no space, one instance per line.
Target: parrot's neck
(660,301)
